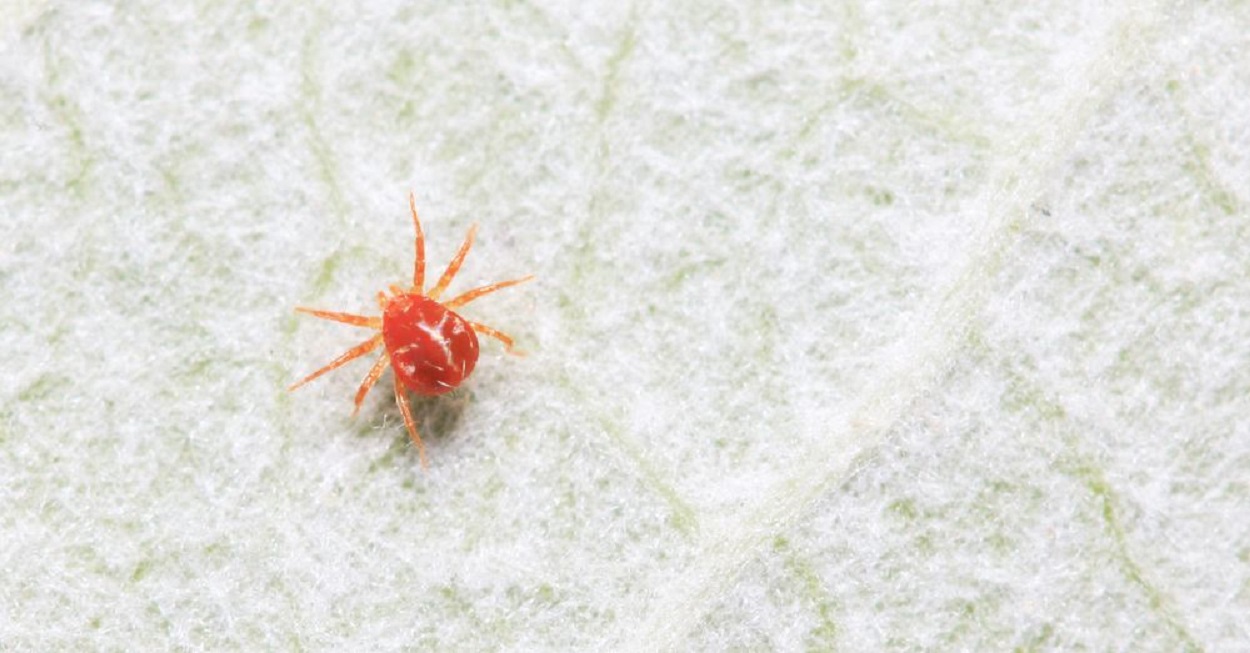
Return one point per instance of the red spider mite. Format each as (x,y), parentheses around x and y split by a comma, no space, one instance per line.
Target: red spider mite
(430,347)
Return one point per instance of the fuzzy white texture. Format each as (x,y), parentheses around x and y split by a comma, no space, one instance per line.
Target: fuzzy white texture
(888,327)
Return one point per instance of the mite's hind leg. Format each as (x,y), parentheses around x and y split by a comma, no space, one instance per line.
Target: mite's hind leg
(370,379)
(406,411)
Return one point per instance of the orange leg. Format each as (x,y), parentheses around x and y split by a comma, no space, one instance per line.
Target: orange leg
(345,318)
(454,266)
(465,298)
(370,379)
(496,334)
(418,268)
(406,410)
(347,357)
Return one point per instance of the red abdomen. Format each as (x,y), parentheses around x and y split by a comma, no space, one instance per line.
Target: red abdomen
(432,349)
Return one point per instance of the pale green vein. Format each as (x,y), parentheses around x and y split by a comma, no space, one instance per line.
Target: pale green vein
(955,127)
(1097,484)
(311,92)
(824,636)
(1026,392)
(71,116)
(1199,166)
(611,77)
(681,515)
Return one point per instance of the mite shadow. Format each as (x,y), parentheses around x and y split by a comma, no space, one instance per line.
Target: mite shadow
(437,418)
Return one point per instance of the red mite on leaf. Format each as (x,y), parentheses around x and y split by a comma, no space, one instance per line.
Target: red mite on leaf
(430,347)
